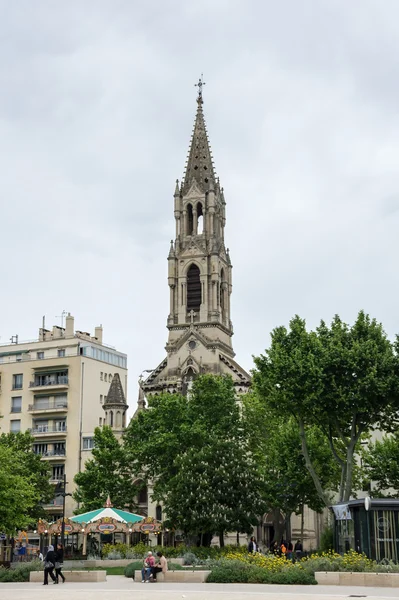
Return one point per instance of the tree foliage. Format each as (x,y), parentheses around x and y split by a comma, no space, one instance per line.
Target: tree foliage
(195,451)
(381,464)
(341,379)
(24,482)
(107,472)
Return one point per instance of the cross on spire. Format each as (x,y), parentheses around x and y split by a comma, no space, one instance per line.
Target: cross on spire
(199,86)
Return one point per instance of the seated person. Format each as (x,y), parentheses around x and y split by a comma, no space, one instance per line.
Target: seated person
(149,562)
(161,566)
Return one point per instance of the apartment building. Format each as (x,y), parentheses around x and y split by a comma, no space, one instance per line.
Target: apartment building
(56,388)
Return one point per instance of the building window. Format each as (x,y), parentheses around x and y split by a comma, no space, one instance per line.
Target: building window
(110,378)
(40,355)
(40,449)
(15,426)
(105,398)
(88,443)
(101,398)
(105,377)
(17,381)
(61,352)
(58,472)
(59,449)
(193,288)
(101,375)
(60,425)
(16,404)
(18,357)
(100,422)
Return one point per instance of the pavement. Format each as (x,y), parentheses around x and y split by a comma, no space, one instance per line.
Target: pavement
(126,589)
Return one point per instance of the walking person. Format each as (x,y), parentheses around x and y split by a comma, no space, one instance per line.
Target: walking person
(59,555)
(160,567)
(49,564)
(149,562)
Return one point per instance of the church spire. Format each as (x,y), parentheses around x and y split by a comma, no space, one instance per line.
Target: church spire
(199,166)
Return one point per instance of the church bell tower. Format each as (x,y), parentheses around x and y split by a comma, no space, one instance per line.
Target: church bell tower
(199,277)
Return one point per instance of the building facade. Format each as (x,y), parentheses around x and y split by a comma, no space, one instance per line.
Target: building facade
(56,387)
(199,278)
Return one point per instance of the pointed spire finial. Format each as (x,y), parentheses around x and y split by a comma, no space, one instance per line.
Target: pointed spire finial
(177,190)
(108,503)
(199,85)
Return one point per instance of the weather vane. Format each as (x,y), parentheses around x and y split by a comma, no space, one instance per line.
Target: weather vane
(199,86)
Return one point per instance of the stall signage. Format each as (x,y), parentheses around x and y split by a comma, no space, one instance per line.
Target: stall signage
(106,527)
(148,527)
(68,528)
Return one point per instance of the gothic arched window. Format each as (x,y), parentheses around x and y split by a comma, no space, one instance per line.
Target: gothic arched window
(111,418)
(193,288)
(190,220)
(200,218)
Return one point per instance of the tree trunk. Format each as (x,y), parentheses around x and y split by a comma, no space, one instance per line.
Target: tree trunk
(278,526)
(302,521)
(221,539)
(349,471)
(309,465)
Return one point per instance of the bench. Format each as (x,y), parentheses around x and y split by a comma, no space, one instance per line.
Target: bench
(89,576)
(184,576)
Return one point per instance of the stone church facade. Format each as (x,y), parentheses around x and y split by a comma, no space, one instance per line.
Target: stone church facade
(200,285)
(199,278)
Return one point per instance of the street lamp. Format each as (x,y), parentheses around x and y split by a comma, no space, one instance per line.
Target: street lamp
(63,494)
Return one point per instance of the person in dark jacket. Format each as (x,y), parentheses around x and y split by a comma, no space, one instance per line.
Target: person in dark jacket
(49,564)
(252,546)
(59,563)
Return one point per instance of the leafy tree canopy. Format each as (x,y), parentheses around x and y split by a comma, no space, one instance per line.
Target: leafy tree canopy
(195,450)
(381,463)
(341,379)
(107,472)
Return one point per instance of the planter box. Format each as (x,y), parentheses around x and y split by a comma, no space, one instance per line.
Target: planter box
(360,579)
(178,576)
(90,576)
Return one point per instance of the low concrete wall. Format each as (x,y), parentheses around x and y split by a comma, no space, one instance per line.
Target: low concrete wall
(361,579)
(94,564)
(90,576)
(178,576)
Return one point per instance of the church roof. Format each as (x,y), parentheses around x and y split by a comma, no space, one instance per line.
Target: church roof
(115,393)
(199,166)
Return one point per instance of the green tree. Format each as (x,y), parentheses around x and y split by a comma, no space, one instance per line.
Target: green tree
(32,467)
(18,492)
(342,379)
(381,464)
(276,444)
(195,451)
(108,472)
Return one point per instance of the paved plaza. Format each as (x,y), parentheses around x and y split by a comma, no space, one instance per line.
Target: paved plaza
(125,589)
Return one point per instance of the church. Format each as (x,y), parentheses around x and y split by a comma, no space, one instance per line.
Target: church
(199,319)
(199,278)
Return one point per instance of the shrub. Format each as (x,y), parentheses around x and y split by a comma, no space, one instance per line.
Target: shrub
(21,571)
(114,555)
(327,540)
(189,558)
(246,573)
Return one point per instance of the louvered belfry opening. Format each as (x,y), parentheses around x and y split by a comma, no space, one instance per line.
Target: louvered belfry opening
(193,288)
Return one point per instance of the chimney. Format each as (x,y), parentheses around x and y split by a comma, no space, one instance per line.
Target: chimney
(98,333)
(69,326)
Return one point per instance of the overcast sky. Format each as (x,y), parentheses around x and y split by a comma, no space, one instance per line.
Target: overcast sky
(97,104)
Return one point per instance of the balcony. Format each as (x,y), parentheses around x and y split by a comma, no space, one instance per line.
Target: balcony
(54,455)
(56,383)
(48,407)
(49,430)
